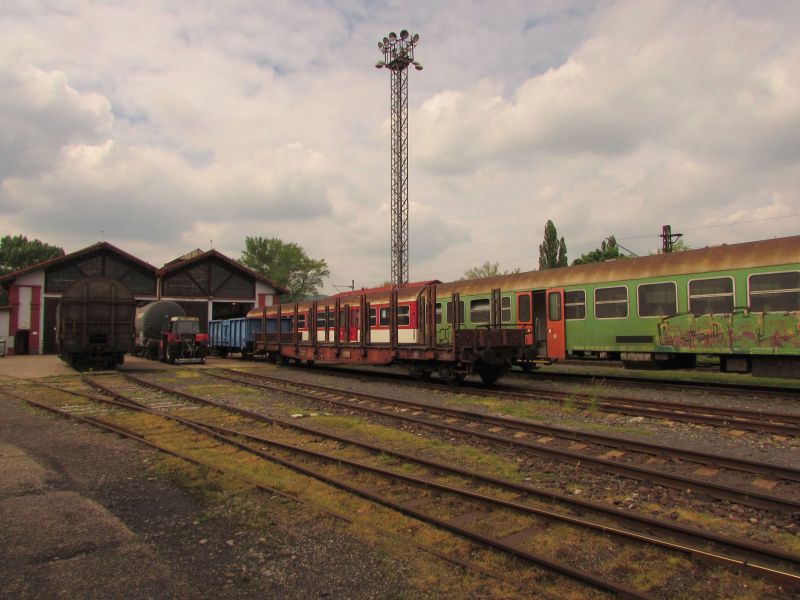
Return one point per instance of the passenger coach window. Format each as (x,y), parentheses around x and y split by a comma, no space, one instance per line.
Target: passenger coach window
(658,299)
(403,315)
(385,317)
(301,321)
(438,313)
(554,306)
(524,308)
(775,292)
(611,303)
(575,305)
(711,296)
(373,319)
(460,312)
(320,320)
(505,309)
(479,310)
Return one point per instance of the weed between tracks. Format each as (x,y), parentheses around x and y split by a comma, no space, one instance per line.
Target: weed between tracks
(370,515)
(234,496)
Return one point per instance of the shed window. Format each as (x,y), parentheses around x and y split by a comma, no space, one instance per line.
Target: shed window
(711,296)
(479,310)
(524,308)
(611,303)
(658,299)
(505,309)
(775,292)
(438,313)
(575,305)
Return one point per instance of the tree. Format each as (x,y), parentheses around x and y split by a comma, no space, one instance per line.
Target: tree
(18,252)
(286,264)
(552,251)
(608,250)
(487,269)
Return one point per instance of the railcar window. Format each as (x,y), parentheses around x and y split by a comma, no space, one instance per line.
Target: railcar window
(403,316)
(505,309)
(524,308)
(775,292)
(658,299)
(373,317)
(554,306)
(301,321)
(438,313)
(385,316)
(711,296)
(575,305)
(611,303)
(479,310)
(460,312)
(320,320)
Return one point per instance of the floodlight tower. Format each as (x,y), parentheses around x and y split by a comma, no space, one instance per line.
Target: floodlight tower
(398,54)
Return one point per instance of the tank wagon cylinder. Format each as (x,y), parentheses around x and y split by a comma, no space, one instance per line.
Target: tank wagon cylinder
(150,322)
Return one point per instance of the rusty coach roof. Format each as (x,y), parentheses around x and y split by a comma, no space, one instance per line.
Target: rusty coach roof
(775,252)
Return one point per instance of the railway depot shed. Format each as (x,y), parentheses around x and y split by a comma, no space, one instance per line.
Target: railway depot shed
(206,284)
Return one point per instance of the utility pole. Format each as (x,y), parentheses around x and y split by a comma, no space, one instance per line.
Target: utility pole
(668,238)
(398,54)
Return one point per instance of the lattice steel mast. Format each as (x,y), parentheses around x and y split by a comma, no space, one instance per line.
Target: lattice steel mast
(398,54)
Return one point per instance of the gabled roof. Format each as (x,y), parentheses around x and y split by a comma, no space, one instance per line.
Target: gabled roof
(181,262)
(8,278)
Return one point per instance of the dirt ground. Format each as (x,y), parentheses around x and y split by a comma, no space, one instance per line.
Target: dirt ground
(82,515)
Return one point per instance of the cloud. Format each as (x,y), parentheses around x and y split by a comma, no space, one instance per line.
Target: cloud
(169,127)
(40,114)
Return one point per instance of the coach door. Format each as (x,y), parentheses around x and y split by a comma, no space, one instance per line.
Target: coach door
(525,315)
(556,340)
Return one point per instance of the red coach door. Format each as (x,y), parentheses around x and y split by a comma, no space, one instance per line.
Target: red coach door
(525,315)
(556,338)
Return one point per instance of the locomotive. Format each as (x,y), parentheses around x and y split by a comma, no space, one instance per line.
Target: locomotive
(164,332)
(739,303)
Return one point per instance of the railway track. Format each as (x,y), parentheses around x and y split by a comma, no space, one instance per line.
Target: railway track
(580,449)
(431,495)
(650,382)
(779,423)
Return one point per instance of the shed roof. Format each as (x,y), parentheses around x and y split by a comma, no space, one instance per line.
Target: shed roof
(193,258)
(9,278)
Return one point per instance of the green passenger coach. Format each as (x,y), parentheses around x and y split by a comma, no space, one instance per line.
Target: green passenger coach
(740,302)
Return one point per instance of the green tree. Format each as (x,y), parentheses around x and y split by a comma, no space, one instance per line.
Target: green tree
(487,269)
(608,250)
(285,263)
(552,251)
(18,252)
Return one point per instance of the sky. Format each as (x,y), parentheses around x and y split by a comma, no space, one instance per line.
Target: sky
(162,127)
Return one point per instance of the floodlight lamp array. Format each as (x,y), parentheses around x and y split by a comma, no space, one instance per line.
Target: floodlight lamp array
(398,51)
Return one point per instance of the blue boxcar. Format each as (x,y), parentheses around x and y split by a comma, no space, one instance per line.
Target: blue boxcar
(227,336)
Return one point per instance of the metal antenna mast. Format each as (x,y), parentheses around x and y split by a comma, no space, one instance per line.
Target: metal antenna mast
(398,54)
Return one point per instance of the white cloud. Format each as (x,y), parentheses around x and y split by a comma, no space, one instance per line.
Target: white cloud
(161,125)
